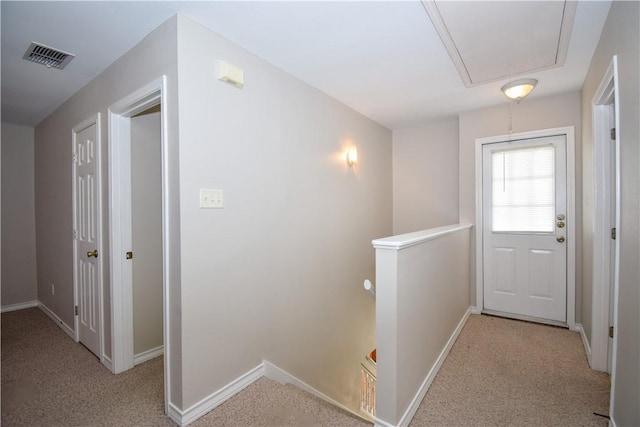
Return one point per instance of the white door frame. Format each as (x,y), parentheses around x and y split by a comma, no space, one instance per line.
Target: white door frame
(606,94)
(569,133)
(120,115)
(93,120)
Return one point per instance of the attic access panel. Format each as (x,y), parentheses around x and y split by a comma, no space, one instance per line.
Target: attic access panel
(495,40)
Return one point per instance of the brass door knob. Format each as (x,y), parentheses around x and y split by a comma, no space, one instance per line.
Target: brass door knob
(560,239)
(560,224)
(92,254)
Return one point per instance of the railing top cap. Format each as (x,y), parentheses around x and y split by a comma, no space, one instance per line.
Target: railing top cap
(409,239)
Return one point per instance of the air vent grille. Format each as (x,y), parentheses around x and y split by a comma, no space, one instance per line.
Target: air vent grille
(48,56)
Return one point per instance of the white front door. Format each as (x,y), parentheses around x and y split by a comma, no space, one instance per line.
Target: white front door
(524,195)
(86,230)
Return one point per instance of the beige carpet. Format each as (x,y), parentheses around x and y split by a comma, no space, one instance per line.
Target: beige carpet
(504,372)
(267,403)
(499,373)
(49,380)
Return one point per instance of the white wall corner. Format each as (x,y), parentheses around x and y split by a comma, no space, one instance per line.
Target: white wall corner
(57,320)
(216,398)
(275,373)
(585,342)
(422,391)
(18,306)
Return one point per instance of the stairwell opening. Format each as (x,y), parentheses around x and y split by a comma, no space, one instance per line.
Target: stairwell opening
(368,384)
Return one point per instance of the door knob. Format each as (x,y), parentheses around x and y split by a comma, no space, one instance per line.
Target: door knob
(560,224)
(560,239)
(92,254)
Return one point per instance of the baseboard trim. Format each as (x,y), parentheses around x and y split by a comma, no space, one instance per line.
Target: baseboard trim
(106,361)
(275,373)
(175,414)
(377,422)
(612,422)
(422,391)
(18,306)
(148,355)
(216,398)
(585,342)
(57,320)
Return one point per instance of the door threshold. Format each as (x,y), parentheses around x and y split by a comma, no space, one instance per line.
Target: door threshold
(524,318)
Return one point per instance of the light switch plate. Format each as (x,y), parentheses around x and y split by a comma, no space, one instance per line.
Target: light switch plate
(211,198)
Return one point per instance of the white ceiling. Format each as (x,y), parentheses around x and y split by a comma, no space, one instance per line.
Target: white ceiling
(382,58)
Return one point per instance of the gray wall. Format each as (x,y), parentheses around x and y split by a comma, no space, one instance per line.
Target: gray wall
(153,57)
(18,218)
(530,114)
(621,37)
(277,274)
(146,223)
(425,177)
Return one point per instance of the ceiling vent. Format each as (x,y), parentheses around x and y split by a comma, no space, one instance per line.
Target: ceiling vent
(48,56)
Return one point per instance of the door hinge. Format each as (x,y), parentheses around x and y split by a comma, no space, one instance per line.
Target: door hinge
(613,134)
(610,331)
(613,233)
(74,157)
(76,310)
(75,234)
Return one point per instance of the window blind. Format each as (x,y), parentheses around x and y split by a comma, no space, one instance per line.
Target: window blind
(523,198)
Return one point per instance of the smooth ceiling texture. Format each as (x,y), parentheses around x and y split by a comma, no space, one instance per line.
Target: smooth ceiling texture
(381,58)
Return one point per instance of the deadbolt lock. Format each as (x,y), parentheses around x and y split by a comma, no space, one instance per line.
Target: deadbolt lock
(560,239)
(561,217)
(560,224)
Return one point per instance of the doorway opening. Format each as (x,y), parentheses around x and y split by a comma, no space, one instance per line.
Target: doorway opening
(146,234)
(508,263)
(139,238)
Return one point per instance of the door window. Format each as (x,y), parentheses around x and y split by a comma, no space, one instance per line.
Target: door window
(523,185)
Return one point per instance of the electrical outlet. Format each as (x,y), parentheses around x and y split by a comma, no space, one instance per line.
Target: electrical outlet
(53,289)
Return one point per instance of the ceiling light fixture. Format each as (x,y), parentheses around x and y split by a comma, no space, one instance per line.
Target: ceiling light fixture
(519,89)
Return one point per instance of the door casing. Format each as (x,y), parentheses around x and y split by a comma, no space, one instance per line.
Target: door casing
(604,97)
(569,133)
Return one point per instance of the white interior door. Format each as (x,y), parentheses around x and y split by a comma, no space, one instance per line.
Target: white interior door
(87,242)
(524,221)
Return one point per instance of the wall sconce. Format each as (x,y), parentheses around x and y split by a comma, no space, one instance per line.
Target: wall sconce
(352,156)
(519,89)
